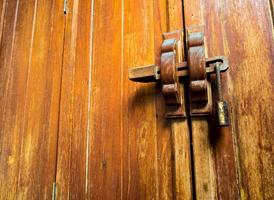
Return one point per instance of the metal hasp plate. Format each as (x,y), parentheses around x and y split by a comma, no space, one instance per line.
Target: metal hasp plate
(197,68)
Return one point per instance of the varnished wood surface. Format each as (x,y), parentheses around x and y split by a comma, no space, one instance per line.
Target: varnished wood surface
(252,106)
(2,16)
(74,102)
(70,116)
(242,154)
(30,71)
(119,151)
(141,172)
(203,157)
(177,142)
(180,128)
(129,155)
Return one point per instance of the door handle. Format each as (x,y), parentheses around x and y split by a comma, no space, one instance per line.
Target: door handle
(196,69)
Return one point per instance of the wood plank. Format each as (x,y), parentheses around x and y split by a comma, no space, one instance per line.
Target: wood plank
(3,4)
(180,128)
(31,89)
(203,151)
(41,109)
(203,155)
(105,159)
(172,134)
(9,151)
(232,34)
(221,139)
(73,148)
(252,106)
(122,153)
(271,3)
(164,142)
(141,177)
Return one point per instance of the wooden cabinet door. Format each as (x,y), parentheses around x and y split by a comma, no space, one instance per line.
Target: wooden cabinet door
(72,125)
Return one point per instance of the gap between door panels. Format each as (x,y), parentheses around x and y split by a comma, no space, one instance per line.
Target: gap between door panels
(54,184)
(72,152)
(186,92)
(182,167)
(189,122)
(188,109)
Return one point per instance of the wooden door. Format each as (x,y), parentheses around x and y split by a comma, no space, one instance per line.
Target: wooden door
(237,162)
(72,126)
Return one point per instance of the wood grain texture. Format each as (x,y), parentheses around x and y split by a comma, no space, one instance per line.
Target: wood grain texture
(221,139)
(114,154)
(203,157)
(140,131)
(31,52)
(3,4)
(128,144)
(271,6)
(149,167)
(249,89)
(106,120)
(180,129)
(64,84)
(164,137)
(252,106)
(9,151)
(204,168)
(73,150)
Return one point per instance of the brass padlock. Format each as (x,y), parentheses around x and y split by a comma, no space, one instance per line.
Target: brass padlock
(222,107)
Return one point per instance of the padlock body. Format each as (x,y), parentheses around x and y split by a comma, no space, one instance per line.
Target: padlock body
(222,112)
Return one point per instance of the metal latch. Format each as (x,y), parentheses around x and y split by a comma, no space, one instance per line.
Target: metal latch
(196,69)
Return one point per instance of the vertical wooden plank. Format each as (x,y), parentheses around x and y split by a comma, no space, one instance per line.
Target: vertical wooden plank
(180,128)
(164,143)
(3,4)
(203,155)
(73,149)
(175,139)
(221,139)
(249,89)
(41,107)
(141,168)
(204,165)
(271,3)
(30,84)
(9,151)
(106,102)
(122,150)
